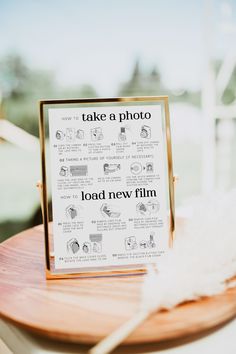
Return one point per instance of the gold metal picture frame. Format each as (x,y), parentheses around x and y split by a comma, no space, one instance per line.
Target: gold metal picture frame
(51,273)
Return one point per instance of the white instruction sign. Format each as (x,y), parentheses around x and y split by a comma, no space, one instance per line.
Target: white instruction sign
(108,185)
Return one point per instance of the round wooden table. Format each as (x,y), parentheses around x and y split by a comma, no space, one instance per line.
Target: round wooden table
(86,310)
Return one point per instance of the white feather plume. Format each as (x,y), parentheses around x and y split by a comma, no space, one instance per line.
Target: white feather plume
(203,257)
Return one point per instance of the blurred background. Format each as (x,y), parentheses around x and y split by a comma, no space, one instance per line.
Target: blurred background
(75,49)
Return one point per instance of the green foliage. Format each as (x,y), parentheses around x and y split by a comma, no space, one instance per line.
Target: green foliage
(23,87)
(13,76)
(150,84)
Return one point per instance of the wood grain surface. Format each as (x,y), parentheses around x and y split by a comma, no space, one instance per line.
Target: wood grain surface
(86,310)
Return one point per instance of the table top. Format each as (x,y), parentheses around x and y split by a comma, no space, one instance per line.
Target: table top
(20,341)
(87,310)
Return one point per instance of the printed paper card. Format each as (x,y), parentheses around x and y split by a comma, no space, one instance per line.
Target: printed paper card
(108,184)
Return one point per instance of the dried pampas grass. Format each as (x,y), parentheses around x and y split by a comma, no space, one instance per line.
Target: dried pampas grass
(203,257)
(201,264)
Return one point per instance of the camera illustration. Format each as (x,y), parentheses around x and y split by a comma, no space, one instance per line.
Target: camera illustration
(73,211)
(145,132)
(110,211)
(60,135)
(136,168)
(149,208)
(131,243)
(149,167)
(86,247)
(122,135)
(150,243)
(64,171)
(110,168)
(79,134)
(70,134)
(73,246)
(96,240)
(96,134)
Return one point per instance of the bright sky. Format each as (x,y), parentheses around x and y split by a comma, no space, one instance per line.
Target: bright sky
(97,42)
